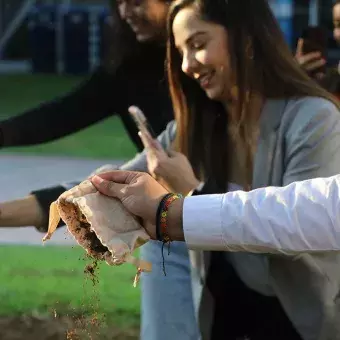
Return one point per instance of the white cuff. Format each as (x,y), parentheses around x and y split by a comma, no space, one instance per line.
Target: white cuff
(202,223)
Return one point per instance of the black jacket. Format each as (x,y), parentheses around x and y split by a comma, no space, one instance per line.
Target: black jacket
(103,94)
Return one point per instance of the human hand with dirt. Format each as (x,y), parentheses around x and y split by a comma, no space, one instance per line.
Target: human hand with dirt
(141,195)
(100,224)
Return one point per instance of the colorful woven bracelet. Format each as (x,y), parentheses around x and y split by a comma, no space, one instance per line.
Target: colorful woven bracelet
(162,217)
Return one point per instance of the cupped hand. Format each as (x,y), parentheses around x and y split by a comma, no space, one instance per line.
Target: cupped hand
(139,193)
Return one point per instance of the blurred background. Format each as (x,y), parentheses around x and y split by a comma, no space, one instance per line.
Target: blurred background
(68,37)
(46,49)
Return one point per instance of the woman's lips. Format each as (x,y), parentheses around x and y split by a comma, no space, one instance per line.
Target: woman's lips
(205,80)
(136,27)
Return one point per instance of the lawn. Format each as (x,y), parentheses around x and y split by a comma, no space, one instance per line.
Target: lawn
(45,280)
(106,139)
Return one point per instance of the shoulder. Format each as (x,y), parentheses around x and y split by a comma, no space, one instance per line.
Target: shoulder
(307,112)
(311,106)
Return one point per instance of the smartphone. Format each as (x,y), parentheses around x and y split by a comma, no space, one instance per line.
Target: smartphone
(315,40)
(141,121)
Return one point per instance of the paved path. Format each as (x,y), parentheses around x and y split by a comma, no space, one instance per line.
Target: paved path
(19,174)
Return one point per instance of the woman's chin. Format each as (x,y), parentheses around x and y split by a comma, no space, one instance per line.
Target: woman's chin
(144,37)
(213,94)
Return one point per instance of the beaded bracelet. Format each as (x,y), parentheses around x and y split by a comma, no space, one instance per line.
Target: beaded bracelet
(162,221)
(162,217)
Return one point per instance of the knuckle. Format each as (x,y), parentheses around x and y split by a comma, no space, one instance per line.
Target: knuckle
(110,186)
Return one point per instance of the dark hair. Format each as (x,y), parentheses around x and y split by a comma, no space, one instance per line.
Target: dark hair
(202,125)
(122,43)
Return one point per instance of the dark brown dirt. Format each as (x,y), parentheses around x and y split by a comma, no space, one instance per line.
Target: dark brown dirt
(91,272)
(59,328)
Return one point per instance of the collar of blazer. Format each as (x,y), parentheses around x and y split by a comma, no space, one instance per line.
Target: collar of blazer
(270,120)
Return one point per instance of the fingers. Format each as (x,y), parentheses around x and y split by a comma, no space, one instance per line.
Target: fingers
(319,75)
(104,168)
(299,48)
(309,57)
(173,153)
(144,140)
(315,65)
(305,57)
(119,176)
(149,142)
(108,188)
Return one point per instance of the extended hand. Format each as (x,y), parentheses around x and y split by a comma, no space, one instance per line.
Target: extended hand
(171,166)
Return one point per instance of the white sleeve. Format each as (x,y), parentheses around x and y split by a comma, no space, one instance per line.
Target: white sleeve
(301,217)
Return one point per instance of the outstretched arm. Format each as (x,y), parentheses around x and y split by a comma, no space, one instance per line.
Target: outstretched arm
(301,217)
(298,218)
(90,102)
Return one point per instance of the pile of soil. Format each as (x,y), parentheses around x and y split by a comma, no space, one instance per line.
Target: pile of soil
(58,328)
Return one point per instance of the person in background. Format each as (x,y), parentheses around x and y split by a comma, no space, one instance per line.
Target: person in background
(329,77)
(134,75)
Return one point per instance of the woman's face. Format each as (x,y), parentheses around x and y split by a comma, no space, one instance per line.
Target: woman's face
(203,46)
(147,18)
(336,22)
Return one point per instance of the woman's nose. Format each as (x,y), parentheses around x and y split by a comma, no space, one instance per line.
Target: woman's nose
(125,10)
(189,64)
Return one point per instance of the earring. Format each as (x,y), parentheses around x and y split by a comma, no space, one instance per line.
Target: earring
(250,51)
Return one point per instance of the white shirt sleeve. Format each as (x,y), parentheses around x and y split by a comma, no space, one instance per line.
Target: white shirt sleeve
(301,217)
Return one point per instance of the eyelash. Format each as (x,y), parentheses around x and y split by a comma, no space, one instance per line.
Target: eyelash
(195,46)
(198,46)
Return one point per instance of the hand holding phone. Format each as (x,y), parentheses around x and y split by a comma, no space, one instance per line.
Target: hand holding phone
(311,50)
(145,132)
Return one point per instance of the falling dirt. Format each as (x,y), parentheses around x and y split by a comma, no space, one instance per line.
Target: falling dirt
(91,272)
(90,326)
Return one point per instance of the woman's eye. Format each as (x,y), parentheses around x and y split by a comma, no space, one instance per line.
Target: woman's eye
(198,45)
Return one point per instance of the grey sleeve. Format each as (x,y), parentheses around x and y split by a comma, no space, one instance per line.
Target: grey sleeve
(313,143)
(312,149)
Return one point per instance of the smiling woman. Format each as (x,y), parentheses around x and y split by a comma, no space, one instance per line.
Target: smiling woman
(146,18)
(203,47)
(247,115)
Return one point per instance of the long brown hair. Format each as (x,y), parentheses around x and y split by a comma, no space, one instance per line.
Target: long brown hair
(271,71)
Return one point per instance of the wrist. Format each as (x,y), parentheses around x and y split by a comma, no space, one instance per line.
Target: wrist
(190,187)
(175,220)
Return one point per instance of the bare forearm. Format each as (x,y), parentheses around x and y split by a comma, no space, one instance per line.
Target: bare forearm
(21,212)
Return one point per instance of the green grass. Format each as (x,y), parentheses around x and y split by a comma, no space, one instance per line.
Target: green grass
(43,279)
(106,139)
